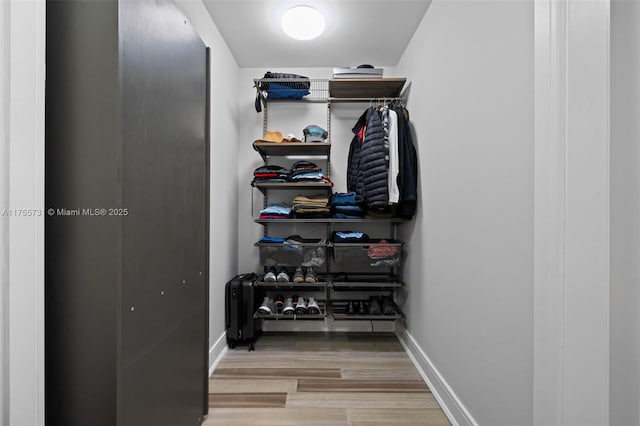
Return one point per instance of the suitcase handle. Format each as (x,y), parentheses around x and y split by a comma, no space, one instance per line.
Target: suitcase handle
(227,314)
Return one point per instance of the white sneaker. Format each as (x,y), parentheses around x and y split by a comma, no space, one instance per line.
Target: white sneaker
(313,306)
(267,307)
(270,276)
(288,306)
(301,307)
(283,275)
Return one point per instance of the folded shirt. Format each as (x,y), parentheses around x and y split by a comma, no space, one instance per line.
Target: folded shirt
(267,239)
(302,164)
(348,209)
(311,209)
(307,176)
(269,175)
(277,209)
(343,199)
(268,180)
(313,215)
(311,200)
(272,168)
(297,172)
(273,216)
(349,236)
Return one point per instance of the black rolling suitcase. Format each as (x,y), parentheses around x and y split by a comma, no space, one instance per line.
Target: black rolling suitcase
(240,304)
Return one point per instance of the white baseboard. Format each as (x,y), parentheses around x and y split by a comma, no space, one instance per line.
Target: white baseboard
(449,402)
(217,351)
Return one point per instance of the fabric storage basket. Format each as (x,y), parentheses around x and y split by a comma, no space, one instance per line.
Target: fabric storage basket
(273,254)
(368,256)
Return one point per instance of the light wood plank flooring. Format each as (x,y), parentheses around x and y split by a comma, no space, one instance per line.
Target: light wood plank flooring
(321,379)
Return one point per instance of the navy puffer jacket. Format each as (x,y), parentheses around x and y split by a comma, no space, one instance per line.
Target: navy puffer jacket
(354,174)
(373,164)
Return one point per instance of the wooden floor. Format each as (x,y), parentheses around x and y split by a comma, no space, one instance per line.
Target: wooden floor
(321,379)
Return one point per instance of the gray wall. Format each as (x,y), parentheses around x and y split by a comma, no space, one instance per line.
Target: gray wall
(625,213)
(470,270)
(4,221)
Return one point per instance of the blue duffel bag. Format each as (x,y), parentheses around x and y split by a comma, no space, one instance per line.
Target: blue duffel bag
(276,85)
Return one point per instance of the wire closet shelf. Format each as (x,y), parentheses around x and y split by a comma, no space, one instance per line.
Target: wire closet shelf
(374,90)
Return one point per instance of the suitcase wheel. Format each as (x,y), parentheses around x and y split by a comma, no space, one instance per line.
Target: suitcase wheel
(231,343)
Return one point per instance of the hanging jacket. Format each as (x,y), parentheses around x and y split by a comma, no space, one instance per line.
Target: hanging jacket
(355,182)
(408,173)
(373,163)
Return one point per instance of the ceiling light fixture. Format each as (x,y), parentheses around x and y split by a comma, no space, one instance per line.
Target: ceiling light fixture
(302,23)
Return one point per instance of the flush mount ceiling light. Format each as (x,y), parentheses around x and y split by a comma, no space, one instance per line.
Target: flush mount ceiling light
(302,23)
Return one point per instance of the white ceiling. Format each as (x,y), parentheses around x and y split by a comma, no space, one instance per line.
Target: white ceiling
(357,32)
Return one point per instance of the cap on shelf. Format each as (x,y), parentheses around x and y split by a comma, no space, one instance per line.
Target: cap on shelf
(314,133)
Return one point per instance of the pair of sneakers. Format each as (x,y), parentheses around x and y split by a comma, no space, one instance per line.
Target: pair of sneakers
(289,305)
(300,306)
(272,276)
(308,276)
(355,307)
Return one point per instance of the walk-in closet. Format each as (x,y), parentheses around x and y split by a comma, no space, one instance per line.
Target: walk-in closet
(332,212)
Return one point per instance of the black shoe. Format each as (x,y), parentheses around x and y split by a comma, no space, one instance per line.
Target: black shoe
(365,307)
(357,307)
(374,306)
(298,276)
(387,307)
(310,277)
(349,308)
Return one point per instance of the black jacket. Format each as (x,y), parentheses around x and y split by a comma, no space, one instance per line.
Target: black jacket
(354,174)
(408,162)
(373,163)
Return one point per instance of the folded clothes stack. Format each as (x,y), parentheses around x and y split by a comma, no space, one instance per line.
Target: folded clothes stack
(305,171)
(311,200)
(343,205)
(270,174)
(311,206)
(383,254)
(276,211)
